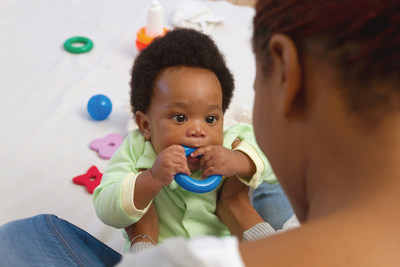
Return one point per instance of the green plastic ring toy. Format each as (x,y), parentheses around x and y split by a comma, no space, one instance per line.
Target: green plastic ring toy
(87,45)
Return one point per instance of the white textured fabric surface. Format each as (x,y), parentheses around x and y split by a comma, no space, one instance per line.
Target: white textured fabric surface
(45,129)
(176,252)
(195,15)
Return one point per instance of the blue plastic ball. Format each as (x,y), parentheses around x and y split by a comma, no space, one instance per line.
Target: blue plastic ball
(99,107)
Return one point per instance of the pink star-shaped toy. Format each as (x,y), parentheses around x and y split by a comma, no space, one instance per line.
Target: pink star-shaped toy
(107,146)
(91,179)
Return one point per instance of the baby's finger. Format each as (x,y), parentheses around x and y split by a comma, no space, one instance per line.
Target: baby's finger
(183,168)
(205,162)
(207,156)
(174,150)
(178,155)
(201,151)
(208,172)
(235,143)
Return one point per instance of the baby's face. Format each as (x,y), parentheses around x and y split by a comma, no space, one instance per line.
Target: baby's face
(186,109)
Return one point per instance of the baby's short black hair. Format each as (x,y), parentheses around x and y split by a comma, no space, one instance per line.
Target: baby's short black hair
(179,47)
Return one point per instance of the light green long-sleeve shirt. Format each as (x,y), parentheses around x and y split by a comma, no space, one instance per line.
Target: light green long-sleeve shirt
(181,213)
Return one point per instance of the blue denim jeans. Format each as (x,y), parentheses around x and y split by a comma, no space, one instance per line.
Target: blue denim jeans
(271,202)
(46,240)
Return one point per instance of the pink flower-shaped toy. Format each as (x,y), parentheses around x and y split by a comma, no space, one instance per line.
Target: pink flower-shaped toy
(106,146)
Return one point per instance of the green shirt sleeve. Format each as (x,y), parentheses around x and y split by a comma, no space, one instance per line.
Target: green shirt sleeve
(125,164)
(245,133)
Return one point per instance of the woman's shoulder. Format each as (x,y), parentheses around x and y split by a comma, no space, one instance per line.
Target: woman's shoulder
(347,238)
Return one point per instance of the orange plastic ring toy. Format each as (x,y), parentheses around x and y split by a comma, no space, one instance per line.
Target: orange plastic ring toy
(140,46)
(145,39)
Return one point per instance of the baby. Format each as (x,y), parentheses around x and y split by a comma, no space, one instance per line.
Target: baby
(180,89)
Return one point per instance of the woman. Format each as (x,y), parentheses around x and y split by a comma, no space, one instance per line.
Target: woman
(326,113)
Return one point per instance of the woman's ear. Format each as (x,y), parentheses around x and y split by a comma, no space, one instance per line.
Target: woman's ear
(143,122)
(286,62)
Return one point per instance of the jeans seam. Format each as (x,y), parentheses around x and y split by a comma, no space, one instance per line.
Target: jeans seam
(62,241)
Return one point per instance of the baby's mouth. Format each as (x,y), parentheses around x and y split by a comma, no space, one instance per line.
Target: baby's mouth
(192,159)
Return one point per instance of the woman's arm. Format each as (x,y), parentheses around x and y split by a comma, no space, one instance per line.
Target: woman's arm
(234,207)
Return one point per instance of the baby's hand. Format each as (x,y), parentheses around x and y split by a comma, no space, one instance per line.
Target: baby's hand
(169,162)
(218,160)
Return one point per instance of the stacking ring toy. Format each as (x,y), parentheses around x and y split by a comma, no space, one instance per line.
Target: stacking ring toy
(143,40)
(87,45)
(193,185)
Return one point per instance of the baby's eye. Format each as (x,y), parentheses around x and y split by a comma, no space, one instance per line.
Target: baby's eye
(211,119)
(179,118)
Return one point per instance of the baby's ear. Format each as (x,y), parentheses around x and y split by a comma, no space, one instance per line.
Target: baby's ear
(143,122)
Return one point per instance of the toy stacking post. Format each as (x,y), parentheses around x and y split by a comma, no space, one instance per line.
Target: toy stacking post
(154,26)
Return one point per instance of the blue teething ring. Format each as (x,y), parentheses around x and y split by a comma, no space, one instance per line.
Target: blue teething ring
(193,185)
(87,45)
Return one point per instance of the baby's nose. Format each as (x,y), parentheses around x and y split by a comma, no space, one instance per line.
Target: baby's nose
(195,130)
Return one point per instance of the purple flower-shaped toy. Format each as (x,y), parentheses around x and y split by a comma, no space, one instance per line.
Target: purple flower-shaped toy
(106,146)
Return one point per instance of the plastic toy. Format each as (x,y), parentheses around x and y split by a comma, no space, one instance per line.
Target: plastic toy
(87,45)
(193,185)
(107,146)
(99,107)
(153,29)
(91,179)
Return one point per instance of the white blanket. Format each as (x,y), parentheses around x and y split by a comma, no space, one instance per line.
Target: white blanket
(45,128)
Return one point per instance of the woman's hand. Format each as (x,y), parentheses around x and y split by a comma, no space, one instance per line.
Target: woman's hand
(234,207)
